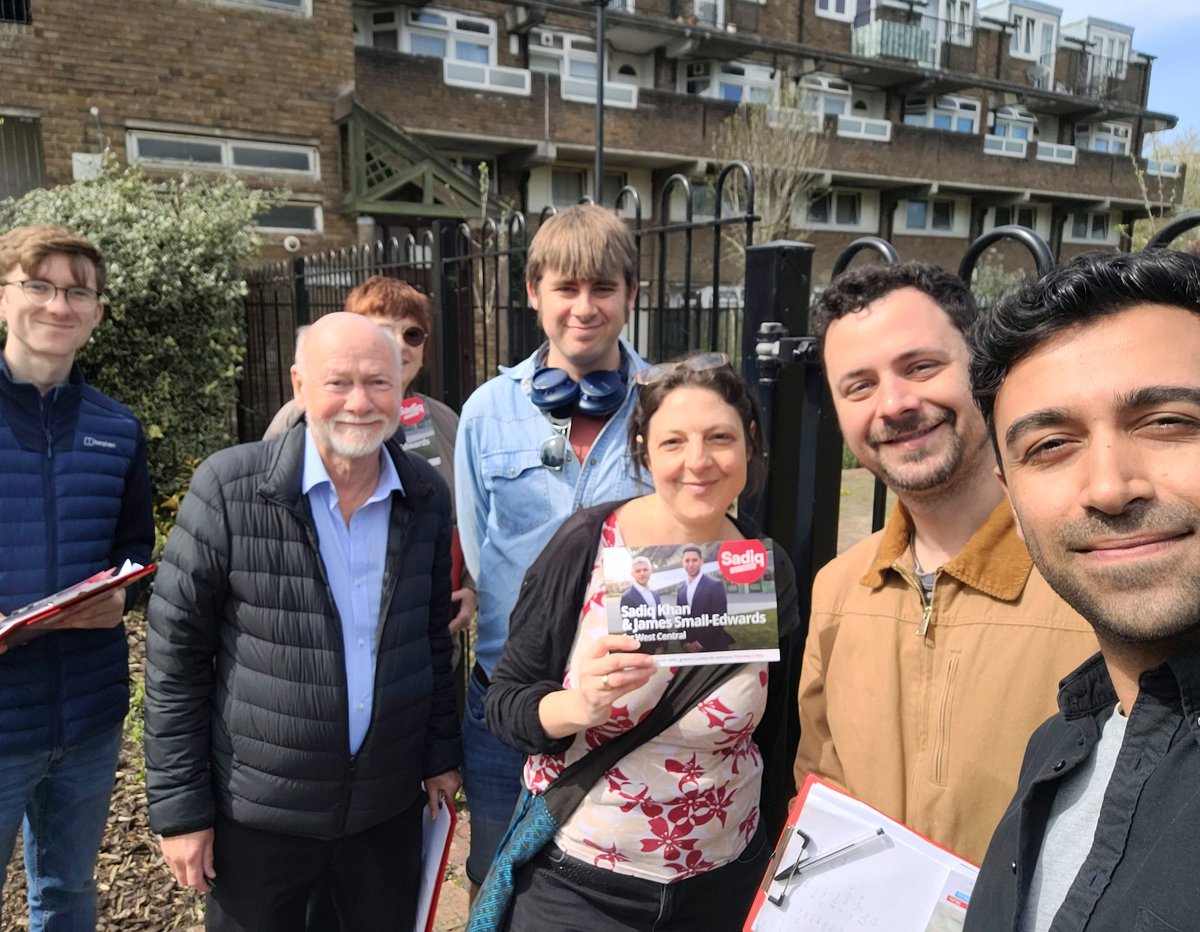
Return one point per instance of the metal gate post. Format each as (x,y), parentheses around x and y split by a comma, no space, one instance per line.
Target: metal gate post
(301,314)
(800,506)
(446,323)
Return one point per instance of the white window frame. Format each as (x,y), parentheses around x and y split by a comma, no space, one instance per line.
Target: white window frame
(226,146)
(1087,135)
(717,20)
(568,49)
(958,221)
(302,9)
(926,110)
(1026,39)
(819,91)
(1112,237)
(318,220)
(866,205)
(704,79)
(1111,58)
(828,9)
(1056,152)
(450,31)
(958,21)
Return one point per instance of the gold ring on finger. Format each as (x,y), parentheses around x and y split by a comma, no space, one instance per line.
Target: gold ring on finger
(604,680)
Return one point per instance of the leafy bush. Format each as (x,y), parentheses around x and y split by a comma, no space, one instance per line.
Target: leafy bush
(172,341)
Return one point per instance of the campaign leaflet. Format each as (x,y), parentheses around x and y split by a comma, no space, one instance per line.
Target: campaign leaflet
(417,421)
(692,604)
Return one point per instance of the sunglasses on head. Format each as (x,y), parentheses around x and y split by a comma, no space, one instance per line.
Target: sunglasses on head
(697,363)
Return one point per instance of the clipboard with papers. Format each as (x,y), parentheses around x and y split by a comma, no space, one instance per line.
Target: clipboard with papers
(437,835)
(840,864)
(25,623)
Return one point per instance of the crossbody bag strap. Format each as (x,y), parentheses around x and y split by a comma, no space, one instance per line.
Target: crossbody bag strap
(564,795)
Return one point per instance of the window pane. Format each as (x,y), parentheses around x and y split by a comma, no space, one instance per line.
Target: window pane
(943,215)
(760,95)
(581,69)
(610,185)
(836,105)
(469,25)
(427,45)
(914,217)
(386,39)
(14,11)
(730,92)
(847,209)
(289,217)
(1003,216)
(914,119)
(286,159)
(179,150)
(471,51)
(1099,226)
(1026,217)
(1020,132)
(942,121)
(1079,225)
(818,209)
(543,64)
(566,188)
(21,161)
(433,19)
(964,125)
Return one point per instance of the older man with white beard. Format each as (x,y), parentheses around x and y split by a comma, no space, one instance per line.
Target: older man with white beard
(298,657)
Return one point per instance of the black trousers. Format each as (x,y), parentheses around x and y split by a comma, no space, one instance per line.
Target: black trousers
(264,878)
(555,891)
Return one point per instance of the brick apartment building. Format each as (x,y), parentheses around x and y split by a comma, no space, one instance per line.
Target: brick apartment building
(943,118)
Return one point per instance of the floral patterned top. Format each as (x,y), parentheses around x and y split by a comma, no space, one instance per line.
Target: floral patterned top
(686,801)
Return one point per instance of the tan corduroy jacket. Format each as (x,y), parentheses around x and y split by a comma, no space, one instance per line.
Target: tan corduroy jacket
(923,710)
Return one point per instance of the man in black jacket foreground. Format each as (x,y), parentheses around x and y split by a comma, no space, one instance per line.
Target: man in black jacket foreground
(298,659)
(1090,383)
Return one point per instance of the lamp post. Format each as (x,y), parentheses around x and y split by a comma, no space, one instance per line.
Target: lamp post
(598,171)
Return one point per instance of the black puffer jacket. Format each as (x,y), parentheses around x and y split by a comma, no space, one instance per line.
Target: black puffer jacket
(245,673)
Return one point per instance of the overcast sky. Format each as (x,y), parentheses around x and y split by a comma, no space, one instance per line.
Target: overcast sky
(1166,29)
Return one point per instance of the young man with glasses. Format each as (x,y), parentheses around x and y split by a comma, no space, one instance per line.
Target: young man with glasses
(75,500)
(537,442)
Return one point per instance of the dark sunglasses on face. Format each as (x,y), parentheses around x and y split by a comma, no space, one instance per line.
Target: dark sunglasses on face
(413,336)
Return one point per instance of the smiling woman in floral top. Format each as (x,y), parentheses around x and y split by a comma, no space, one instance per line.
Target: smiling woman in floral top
(677,834)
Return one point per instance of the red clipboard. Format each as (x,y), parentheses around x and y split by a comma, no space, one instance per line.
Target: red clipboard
(437,837)
(21,625)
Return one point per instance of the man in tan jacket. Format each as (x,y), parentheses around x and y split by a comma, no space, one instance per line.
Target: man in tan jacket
(934,648)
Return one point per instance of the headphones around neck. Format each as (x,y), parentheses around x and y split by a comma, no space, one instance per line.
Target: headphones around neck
(597,394)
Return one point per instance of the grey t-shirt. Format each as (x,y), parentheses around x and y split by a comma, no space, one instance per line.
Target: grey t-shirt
(1074,815)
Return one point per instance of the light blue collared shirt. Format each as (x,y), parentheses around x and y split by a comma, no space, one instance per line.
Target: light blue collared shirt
(354,557)
(509,504)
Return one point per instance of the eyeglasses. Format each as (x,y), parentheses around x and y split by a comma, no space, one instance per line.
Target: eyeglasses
(81,300)
(698,363)
(413,336)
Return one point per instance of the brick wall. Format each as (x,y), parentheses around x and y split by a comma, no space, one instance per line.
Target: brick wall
(190,63)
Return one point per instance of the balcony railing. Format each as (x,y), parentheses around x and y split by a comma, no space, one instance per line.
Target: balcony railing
(488,77)
(1005,145)
(882,38)
(857,127)
(1056,152)
(615,95)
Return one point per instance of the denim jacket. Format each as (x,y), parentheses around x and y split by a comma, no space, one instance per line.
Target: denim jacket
(509,504)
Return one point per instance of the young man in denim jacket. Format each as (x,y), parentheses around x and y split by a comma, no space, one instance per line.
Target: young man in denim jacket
(528,457)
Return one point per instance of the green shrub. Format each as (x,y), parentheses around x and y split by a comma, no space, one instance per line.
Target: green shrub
(172,341)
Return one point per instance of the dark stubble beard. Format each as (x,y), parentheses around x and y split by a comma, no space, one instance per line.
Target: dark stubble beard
(1131,605)
(938,474)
